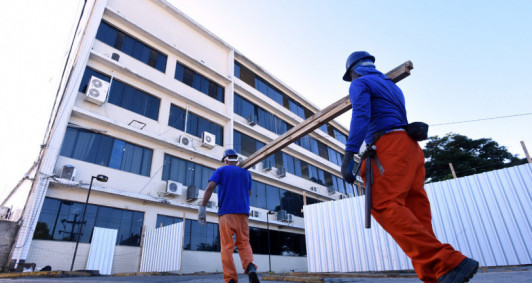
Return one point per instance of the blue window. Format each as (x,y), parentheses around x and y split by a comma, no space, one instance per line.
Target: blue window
(243,107)
(324,128)
(258,195)
(186,172)
(339,136)
(133,47)
(201,238)
(281,243)
(245,144)
(264,118)
(106,151)
(126,96)
(237,70)
(87,76)
(323,150)
(196,125)
(296,108)
(198,82)
(134,100)
(335,157)
(264,87)
(164,220)
(60,220)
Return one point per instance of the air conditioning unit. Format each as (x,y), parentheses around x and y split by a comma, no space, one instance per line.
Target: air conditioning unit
(252,120)
(314,189)
(69,172)
(210,204)
(192,193)
(254,213)
(290,218)
(5,212)
(267,165)
(282,215)
(97,91)
(331,190)
(343,196)
(208,140)
(281,172)
(174,188)
(185,141)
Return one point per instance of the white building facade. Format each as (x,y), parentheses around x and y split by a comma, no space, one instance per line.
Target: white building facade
(151,102)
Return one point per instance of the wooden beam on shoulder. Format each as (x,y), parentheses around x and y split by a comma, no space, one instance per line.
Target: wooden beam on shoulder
(315,121)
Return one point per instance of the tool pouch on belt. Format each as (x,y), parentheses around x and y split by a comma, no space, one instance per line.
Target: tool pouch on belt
(418,131)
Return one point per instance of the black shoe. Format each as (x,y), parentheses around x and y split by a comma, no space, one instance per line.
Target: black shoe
(462,273)
(232,281)
(252,274)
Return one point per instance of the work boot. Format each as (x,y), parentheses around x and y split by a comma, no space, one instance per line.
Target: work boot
(252,273)
(462,273)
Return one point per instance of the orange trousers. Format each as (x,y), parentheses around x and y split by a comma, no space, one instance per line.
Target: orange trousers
(400,205)
(234,224)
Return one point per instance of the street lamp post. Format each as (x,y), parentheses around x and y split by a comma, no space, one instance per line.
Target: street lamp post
(101,178)
(268,228)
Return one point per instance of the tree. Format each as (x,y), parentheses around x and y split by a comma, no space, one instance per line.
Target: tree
(468,156)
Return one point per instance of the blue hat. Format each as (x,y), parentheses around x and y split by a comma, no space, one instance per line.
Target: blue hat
(230,153)
(354,58)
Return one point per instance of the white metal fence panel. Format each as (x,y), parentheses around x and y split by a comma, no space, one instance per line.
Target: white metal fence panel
(485,216)
(162,249)
(102,250)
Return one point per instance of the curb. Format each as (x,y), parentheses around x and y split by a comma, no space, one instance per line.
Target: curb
(47,274)
(289,278)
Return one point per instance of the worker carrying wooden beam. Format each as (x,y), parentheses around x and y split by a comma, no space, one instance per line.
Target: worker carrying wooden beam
(397,197)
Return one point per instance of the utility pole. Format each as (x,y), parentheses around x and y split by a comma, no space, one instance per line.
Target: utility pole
(452,170)
(526,152)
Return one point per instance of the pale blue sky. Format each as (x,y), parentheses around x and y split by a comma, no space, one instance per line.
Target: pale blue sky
(471,59)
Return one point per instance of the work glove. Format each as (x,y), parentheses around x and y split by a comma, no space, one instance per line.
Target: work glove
(347,167)
(202,215)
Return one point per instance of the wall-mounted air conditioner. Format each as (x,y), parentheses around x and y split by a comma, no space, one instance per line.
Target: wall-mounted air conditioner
(314,189)
(290,218)
(281,172)
(331,190)
(282,215)
(174,188)
(254,213)
(68,172)
(97,91)
(343,196)
(267,165)
(210,204)
(185,141)
(192,193)
(252,120)
(208,140)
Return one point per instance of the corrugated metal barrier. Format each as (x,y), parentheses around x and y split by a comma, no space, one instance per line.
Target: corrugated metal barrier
(102,250)
(162,249)
(486,216)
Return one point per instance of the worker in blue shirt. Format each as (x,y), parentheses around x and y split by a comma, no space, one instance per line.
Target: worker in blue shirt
(399,202)
(233,215)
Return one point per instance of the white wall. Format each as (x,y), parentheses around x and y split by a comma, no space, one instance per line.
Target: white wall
(485,216)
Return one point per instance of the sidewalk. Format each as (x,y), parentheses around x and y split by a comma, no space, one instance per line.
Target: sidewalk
(514,274)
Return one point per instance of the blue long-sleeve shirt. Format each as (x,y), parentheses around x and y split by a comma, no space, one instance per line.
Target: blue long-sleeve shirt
(378,105)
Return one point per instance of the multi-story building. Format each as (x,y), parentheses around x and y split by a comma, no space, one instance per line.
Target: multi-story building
(151,102)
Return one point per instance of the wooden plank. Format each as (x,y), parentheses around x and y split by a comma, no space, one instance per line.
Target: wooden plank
(315,121)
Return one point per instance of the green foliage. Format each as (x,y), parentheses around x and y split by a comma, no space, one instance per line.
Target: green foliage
(468,156)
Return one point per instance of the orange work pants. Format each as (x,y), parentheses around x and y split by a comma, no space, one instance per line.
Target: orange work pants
(234,224)
(400,205)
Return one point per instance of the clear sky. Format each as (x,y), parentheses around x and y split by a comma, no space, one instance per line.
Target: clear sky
(471,60)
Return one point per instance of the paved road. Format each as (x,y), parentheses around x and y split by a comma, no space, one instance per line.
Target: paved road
(519,274)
